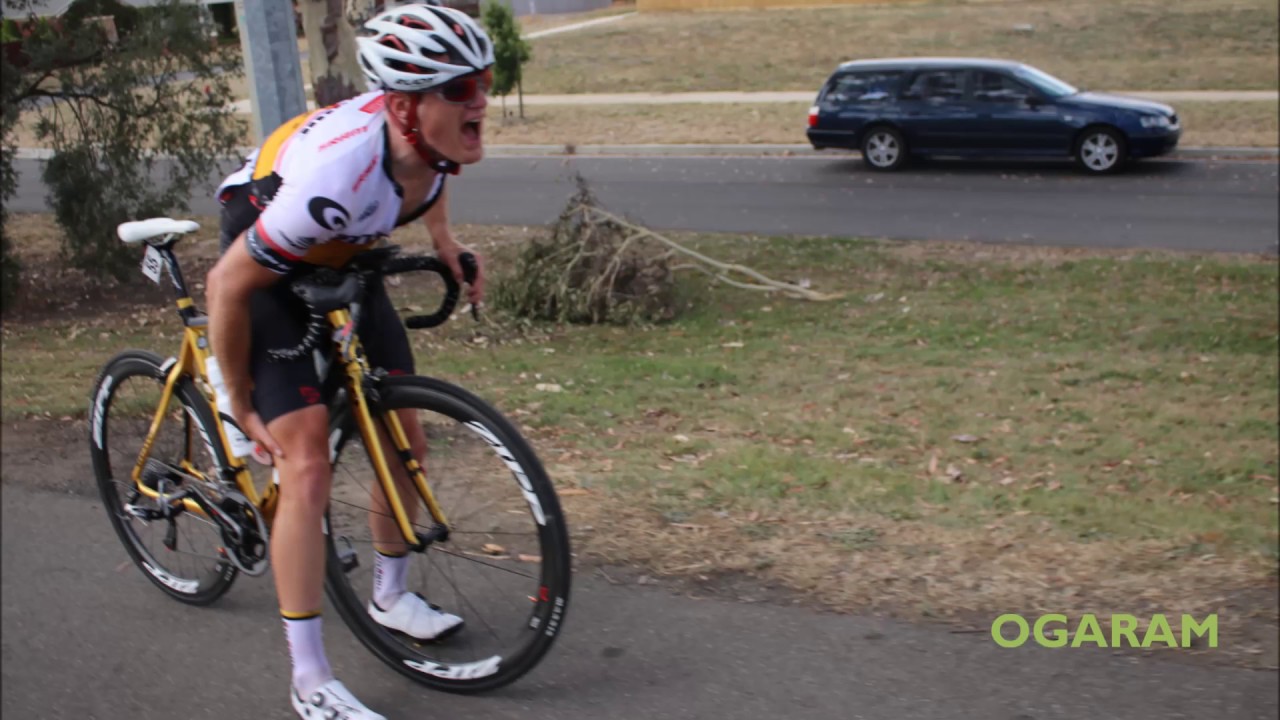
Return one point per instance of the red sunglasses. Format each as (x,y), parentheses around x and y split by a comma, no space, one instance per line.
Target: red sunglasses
(465,89)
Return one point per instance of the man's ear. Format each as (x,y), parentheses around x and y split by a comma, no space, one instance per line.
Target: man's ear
(398,105)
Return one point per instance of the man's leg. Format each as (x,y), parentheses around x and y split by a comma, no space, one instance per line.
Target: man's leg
(297,539)
(392,605)
(387,538)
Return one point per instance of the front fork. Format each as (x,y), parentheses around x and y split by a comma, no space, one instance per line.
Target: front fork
(364,403)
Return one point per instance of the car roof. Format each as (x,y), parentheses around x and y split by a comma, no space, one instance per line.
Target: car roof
(928,62)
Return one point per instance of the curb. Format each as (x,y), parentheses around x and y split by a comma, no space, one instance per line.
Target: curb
(796,150)
(695,150)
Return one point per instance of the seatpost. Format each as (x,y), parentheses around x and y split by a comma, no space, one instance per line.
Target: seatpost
(186,307)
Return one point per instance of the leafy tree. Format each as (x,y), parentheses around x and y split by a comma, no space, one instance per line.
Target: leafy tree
(134,127)
(510,51)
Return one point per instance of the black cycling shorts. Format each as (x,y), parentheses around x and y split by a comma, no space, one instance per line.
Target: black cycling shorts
(278,320)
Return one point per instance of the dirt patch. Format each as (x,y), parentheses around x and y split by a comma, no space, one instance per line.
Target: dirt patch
(48,454)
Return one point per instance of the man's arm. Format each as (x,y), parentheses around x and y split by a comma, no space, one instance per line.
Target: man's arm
(230,284)
(448,249)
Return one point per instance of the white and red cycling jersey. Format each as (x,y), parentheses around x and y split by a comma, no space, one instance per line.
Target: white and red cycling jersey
(322,183)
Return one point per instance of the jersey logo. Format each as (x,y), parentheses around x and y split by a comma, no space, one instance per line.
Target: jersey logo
(329,214)
(365,174)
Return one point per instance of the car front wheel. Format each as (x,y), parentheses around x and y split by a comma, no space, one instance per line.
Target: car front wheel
(1100,150)
(884,149)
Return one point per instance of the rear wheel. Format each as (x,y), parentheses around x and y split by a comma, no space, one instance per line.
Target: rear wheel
(505,566)
(883,148)
(182,553)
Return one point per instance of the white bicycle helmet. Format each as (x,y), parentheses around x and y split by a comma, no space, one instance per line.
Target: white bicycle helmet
(396,52)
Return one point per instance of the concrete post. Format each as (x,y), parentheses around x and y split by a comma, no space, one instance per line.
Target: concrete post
(270,44)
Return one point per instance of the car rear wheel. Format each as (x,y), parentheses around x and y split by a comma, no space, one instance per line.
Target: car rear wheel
(884,149)
(1100,150)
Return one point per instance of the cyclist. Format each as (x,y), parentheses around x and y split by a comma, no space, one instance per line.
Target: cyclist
(322,188)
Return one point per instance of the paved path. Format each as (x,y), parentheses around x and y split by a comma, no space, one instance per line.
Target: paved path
(576,26)
(86,637)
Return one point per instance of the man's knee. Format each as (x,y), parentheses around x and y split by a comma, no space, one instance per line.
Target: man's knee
(305,481)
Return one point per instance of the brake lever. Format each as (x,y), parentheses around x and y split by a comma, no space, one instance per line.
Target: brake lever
(470,269)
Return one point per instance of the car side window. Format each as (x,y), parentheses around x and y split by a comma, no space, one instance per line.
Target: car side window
(997,87)
(871,86)
(937,85)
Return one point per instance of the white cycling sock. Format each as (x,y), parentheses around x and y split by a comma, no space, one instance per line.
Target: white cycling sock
(388,578)
(306,649)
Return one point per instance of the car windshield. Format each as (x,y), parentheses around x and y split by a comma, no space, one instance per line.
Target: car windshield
(1044,82)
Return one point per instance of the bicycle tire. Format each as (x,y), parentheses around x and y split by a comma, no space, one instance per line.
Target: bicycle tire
(108,463)
(541,617)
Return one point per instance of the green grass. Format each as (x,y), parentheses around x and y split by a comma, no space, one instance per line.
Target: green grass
(1096,44)
(1103,386)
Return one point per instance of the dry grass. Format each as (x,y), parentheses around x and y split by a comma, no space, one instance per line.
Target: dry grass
(1097,44)
(1243,124)
(1236,124)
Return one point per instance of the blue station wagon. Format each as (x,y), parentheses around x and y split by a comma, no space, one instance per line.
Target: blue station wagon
(892,109)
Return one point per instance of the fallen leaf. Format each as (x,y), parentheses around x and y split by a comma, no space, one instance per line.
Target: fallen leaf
(529,558)
(933,465)
(965,438)
(573,492)
(753,516)
(493,549)
(547,387)
(731,345)
(954,474)
(680,438)
(1007,480)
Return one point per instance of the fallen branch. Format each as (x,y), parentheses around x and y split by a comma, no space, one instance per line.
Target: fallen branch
(765,284)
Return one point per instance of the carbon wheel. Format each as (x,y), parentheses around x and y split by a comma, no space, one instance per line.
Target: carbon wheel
(504,567)
(180,552)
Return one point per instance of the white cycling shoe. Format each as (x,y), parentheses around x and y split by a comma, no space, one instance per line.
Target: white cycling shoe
(412,615)
(332,702)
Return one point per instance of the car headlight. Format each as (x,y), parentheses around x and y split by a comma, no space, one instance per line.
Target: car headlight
(1155,121)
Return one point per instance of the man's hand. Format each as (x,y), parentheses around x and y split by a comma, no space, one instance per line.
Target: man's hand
(448,252)
(251,423)
(448,249)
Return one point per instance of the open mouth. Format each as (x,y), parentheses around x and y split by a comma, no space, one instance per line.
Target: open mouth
(471,132)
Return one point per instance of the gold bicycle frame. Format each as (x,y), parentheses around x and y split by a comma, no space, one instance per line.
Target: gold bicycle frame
(192,362)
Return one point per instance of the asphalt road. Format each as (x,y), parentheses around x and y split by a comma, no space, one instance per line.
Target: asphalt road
(86,637)
(1181,205)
